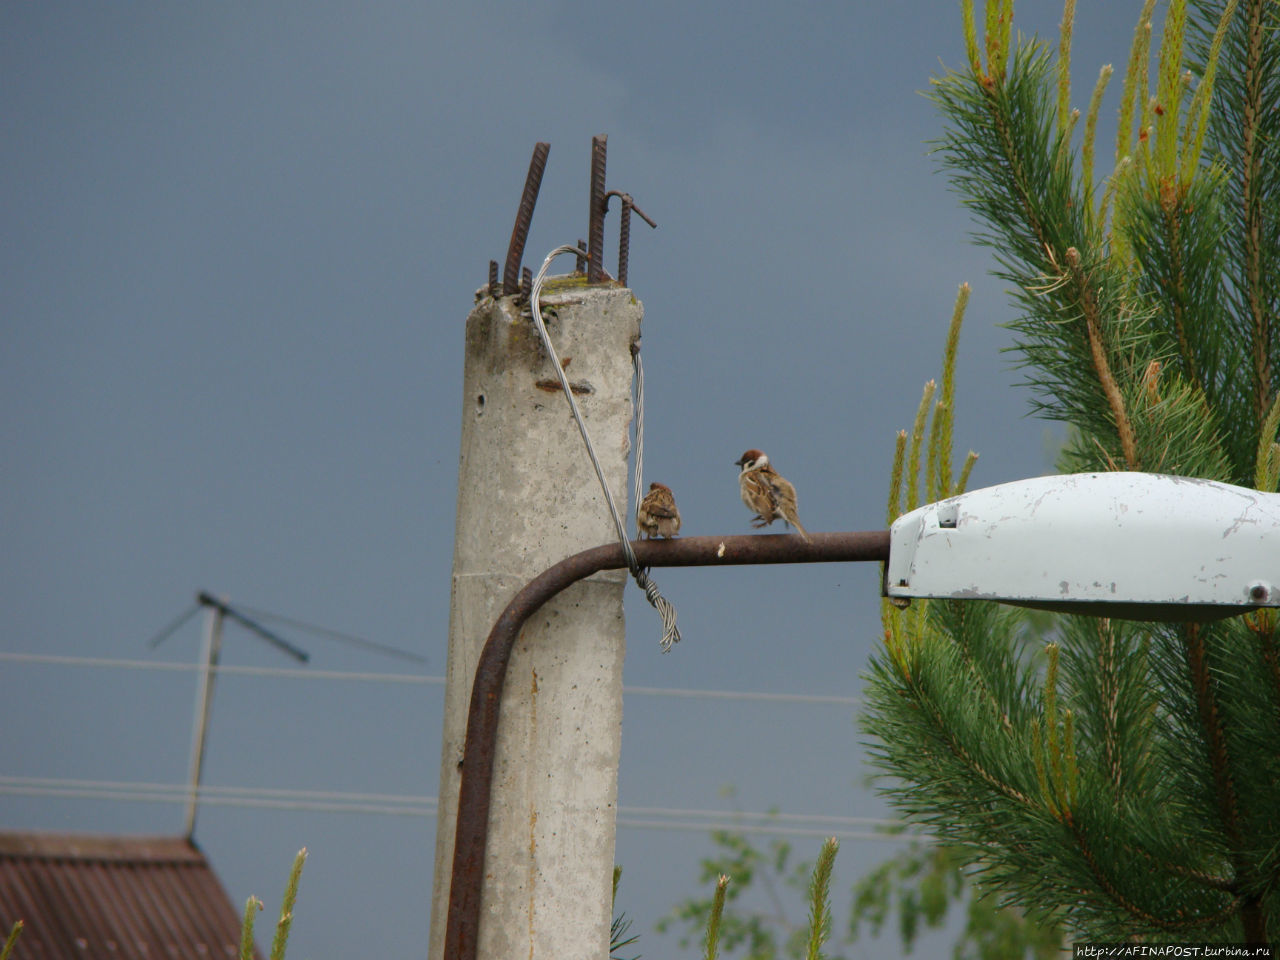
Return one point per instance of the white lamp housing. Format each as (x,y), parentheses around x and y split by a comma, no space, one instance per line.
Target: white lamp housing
(1140,546)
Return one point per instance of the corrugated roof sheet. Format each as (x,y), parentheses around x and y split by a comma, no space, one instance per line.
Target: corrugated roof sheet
(91,897)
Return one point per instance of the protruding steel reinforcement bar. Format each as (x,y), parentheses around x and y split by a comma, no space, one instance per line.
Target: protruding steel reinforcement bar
(595,216)
(624,229)
(463,922)
(524,216)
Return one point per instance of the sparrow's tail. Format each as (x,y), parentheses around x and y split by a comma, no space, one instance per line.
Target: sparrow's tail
(801,530)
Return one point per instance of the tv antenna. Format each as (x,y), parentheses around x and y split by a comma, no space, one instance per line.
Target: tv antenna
(217,611)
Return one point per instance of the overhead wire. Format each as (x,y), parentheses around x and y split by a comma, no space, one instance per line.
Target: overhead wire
(300,673)
(333,801)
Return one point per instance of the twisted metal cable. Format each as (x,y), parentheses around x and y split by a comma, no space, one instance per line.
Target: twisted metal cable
(670,633)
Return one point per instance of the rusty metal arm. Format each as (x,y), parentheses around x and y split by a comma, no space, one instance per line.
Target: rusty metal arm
(470,839)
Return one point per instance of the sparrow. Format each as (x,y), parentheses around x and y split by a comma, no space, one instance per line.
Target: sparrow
(657,514)
(767,493)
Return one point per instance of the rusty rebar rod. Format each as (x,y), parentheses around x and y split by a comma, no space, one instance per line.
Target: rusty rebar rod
(595,217)
(624,229)
(524,216)
(471,834)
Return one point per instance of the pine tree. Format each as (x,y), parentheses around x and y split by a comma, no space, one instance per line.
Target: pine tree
(1122,779)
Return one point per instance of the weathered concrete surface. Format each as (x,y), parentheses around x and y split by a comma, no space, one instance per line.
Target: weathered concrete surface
(528,497)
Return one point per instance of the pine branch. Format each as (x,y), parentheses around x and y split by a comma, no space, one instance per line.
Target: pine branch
(281,939)
(1264,476)
(1135,910)
(1251,200)
(11,940)
(712,942)
(1133,785)
(966,757)
(957,614)
(1219,760)
(1064,64)
(820,899)
(1263,624)
(917,436)
(251,908)
(1087,297)
(1169,93)
(1091,123)
(1198,113)
(895,484)
(948,398)
(1220,763)
(1132,96)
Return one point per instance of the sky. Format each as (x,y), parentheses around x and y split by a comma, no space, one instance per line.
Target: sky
(242,243)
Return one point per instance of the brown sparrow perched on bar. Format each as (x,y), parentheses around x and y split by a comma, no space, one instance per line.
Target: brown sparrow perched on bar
(768,494)
(657,515)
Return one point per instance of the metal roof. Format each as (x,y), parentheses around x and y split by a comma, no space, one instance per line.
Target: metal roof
(89,896)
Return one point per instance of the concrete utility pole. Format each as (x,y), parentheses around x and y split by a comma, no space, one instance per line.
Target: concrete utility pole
(527,498)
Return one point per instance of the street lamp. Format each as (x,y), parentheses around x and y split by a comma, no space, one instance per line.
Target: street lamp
(1138,546)
(1131,545)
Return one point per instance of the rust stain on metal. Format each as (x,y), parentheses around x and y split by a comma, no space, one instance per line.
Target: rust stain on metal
(581,388)
(462,925)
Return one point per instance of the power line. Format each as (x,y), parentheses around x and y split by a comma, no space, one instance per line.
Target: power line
(412,678)
(290,672)
(811,698)
(164,793)
(332,801)
(764,829)
(765,816)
